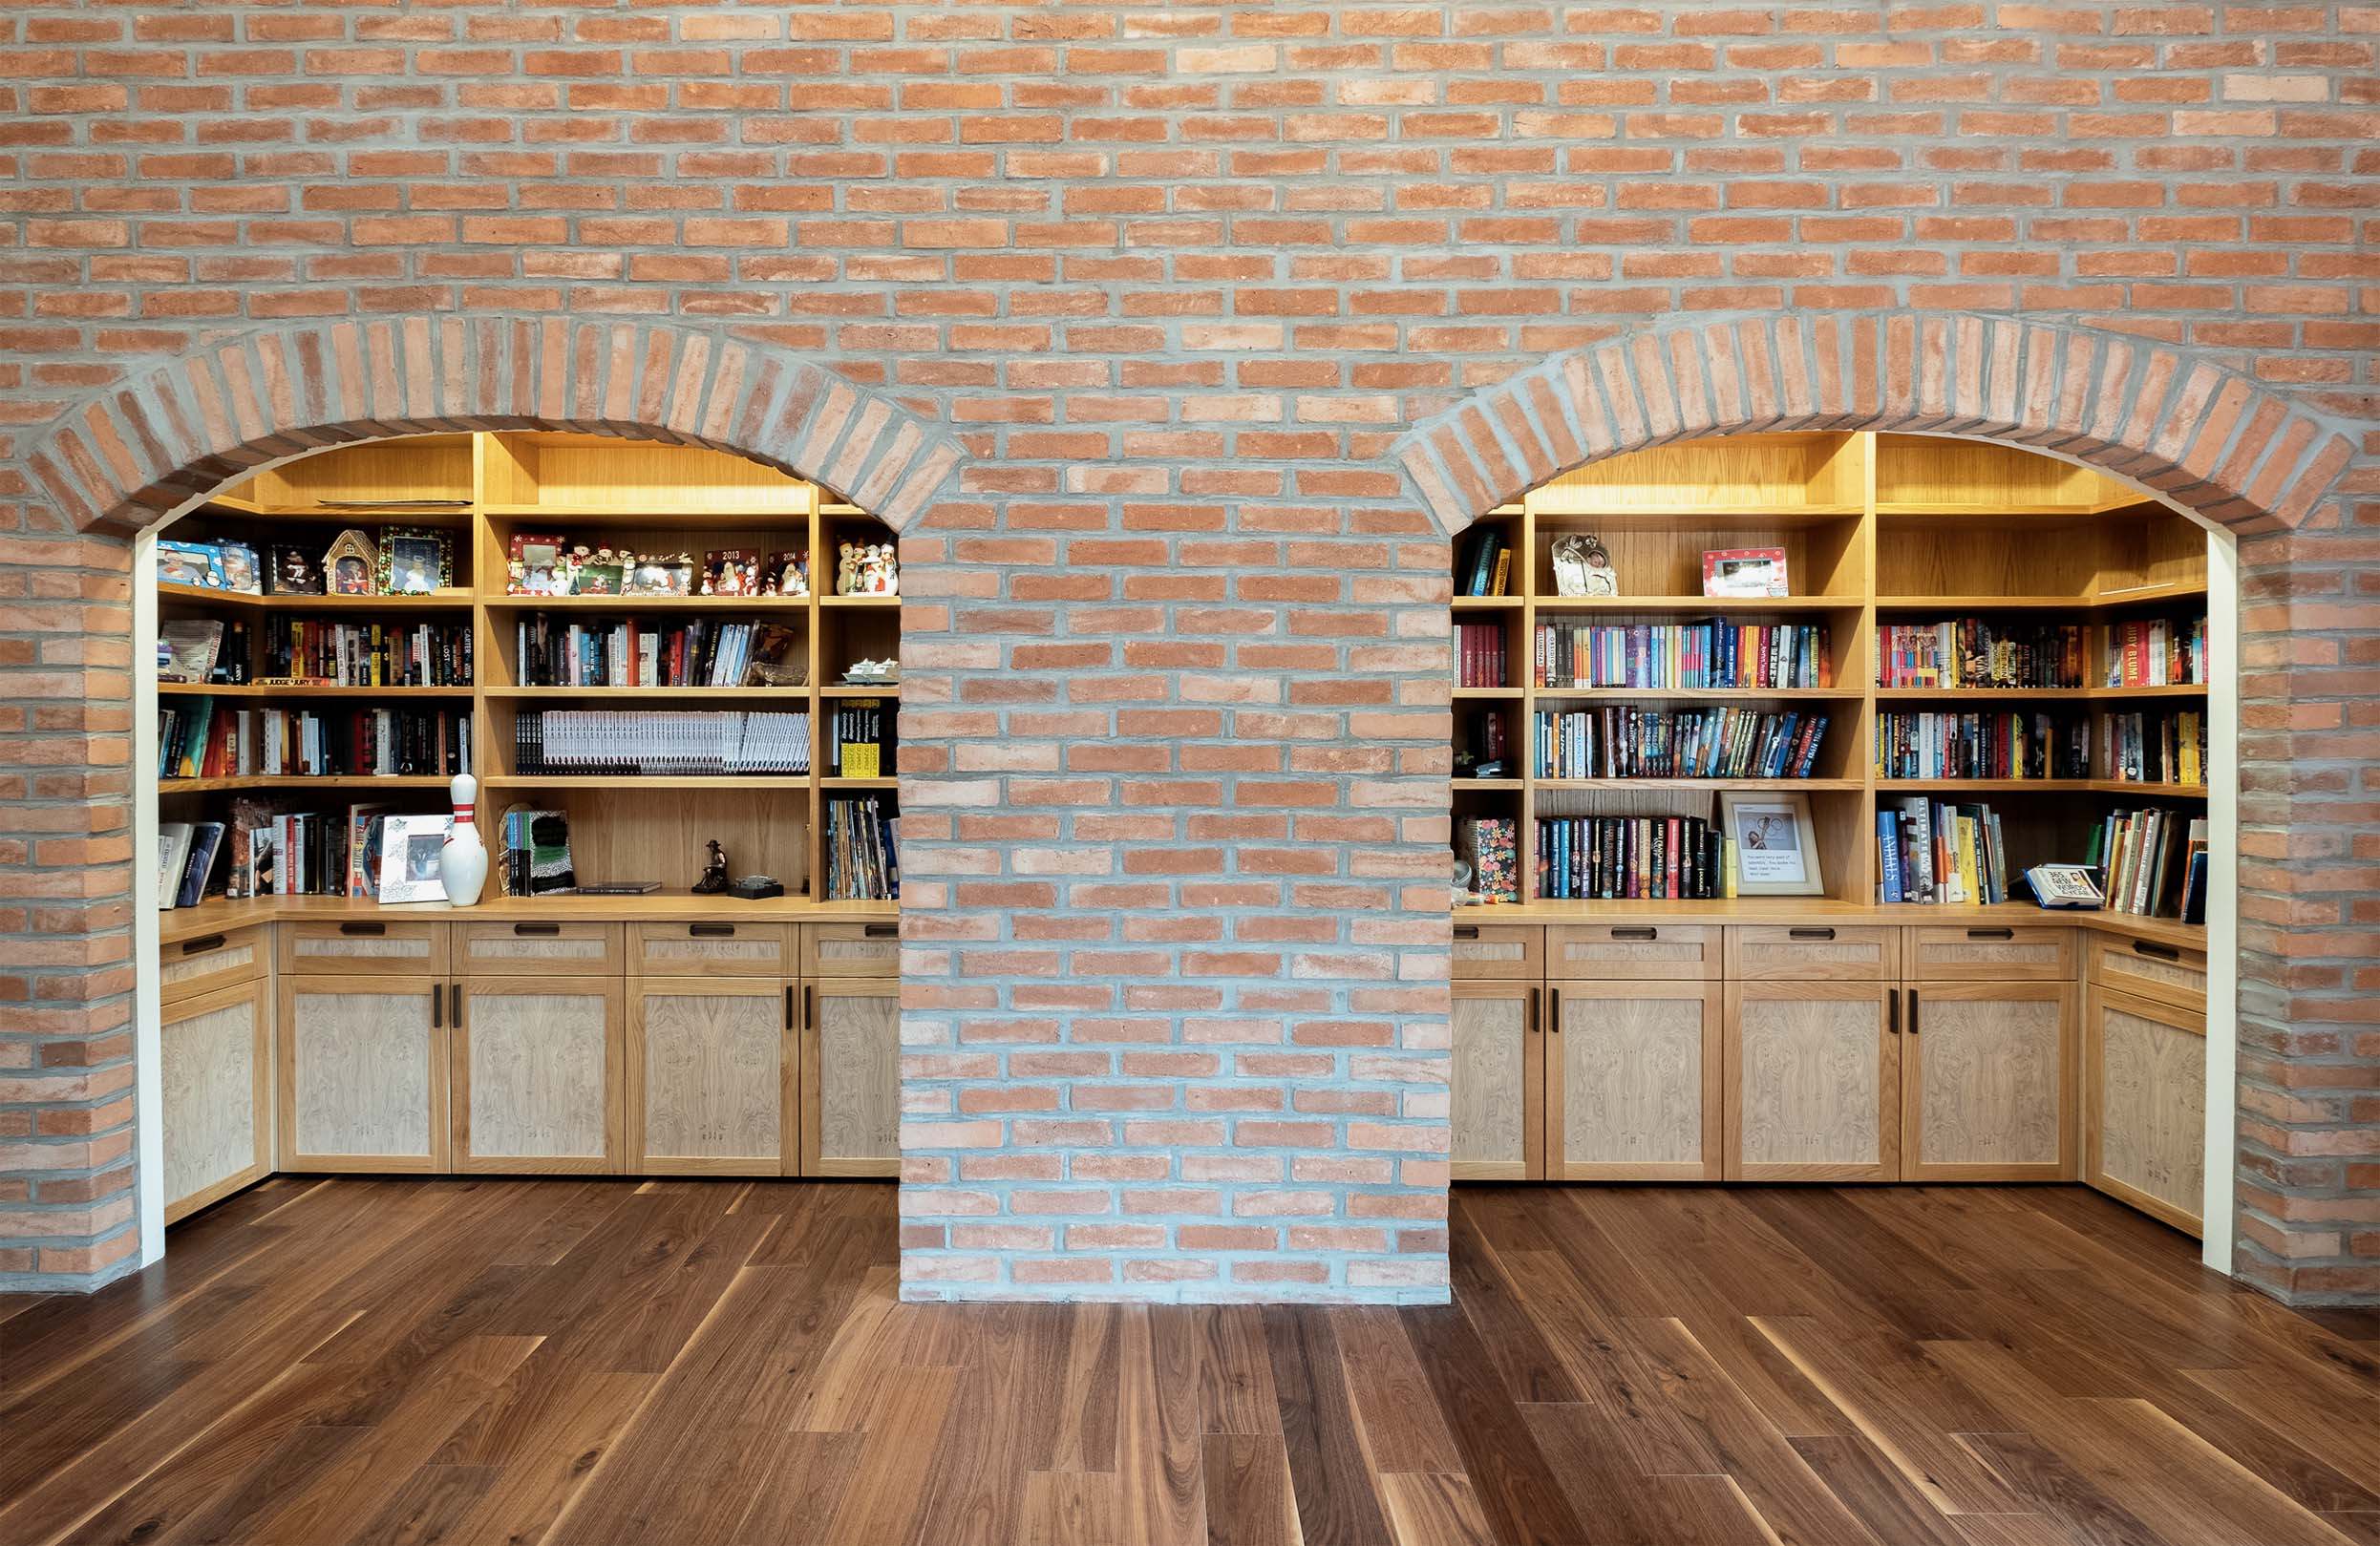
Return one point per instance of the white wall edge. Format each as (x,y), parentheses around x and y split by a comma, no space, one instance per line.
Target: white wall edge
(2223,898)
(148,1038)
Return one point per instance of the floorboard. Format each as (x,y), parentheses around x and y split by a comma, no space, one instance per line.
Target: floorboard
(537,1363)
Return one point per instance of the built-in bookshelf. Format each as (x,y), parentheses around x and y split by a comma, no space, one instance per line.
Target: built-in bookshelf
(742,698)
(1973,623)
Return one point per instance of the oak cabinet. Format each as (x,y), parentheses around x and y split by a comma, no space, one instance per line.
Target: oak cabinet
(1633,1091)
(2144,1105)
(2148,969)
(710,1068)
(215,1083)
(851,949)
(851,1077)
(363,1072)
(536,1074)
(1498,1091)
(1498,953)
(362,947)
(711,949)
(1813,1081)
(1986,1081)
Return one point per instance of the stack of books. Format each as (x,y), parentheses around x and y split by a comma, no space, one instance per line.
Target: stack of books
(1966,652)
(1479,655)
(1612,858)
(2155,748)
(1932,851)
(367,655)
(197,738)
(859,739)
(1486,567)
(1677,743)
(2156,652)
(1978,745)
(631,653)
(1688,656)
(862,851)
(2154,860)
(659,742)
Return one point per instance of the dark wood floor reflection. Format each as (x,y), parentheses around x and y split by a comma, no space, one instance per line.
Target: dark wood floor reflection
(673,1362)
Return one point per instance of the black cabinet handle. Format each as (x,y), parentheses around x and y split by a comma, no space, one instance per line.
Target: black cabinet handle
(537,931)
(710,931)
(200,948)
(455,997)
(438,1006)
(1913,1012)
(1636,934)
(366,930)
(2159,952)
(1553,1011)
(1892,1011)
(1466,931)
(880,931)
(1537,1011)
(789,1005)
(1808,934)
(1992,934)
(809,1005)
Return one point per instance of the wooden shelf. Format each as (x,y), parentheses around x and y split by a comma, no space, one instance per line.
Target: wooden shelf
(860,690)
(780,781)
(657,513)
(889,604)
(2143,596)
(774,606)
(301,690)
(220,913)
(1461,783)
(1740,513)
(2033,694)
(1490,694)
(328,781)
(453,600)
(2044,786)
(1813,784)
(1490,604)
(1696,605)
(1701,694)
(787,696)
(836,782)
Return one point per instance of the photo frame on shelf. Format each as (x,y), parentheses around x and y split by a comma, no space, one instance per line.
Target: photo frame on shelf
(292,571)
(236,562)
(189,564)
(539,566)
(1776,843)
(414,561)
(351,565)
(409,858)
(661,577)
(1582,568)
(1745,571)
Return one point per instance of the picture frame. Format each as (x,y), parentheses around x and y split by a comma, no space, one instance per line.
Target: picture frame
(351,565)
(409,858)
(731,571)
(599,579)
(1583,566)
(189,564)
(1775,843)
(414,561)
(292,571)
(539,564)
(661,577)
(236,563)
(1745,571)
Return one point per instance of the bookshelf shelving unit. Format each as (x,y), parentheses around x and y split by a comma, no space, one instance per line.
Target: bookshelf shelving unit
(1878,529)
(483,489)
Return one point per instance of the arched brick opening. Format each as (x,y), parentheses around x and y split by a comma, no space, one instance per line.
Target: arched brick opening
(142,452)
(2206,438)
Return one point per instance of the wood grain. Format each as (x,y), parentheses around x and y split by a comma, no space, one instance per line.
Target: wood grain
(2144,1132)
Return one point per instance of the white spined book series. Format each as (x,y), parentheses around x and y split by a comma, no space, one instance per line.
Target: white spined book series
(648,742)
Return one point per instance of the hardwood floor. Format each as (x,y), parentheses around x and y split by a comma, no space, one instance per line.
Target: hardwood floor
(369,1361)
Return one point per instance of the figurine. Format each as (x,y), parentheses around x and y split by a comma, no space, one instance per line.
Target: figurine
(847,571)
(871,570)
(713,874)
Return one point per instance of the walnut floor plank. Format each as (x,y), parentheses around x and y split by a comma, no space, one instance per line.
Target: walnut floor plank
(553,1361)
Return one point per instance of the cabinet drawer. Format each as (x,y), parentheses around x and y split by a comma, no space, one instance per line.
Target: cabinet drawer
(1988,953)
(1660,952)
(1499,952)
(190,968)
(708,948)
(2166,973)
(363,947)
(1813,953)
(851,949)
(589,949)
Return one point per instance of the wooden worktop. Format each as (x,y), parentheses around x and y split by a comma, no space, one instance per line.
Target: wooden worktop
(217,914)
(1804,910)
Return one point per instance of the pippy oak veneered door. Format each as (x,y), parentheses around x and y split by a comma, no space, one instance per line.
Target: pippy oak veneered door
(1632,1085)
(2144,1105)
(1812,1082)
(710,1076)
(1986,1081)
(1498,1082)
(537,1074)
(363,1073)
(214,1073)
(851,1077)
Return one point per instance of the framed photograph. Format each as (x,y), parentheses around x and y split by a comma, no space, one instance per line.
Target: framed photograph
(237,562)
(1744,571)
(189,564)
(661,577)
(538,567)
(409,858)
(1582,568)
(416,561)
(599,579)
(731,571)
(351,568)
(292,571)
(1777,845)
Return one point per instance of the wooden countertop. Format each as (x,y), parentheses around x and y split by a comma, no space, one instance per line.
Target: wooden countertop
(217,914)
(1818,910)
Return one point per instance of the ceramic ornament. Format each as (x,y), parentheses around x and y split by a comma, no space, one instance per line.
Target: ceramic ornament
(463,859)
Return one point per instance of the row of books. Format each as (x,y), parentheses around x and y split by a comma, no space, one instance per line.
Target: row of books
(1485,568)
(1964,652)
(859,739)
(276,851)
(650,742)
(1688,656)
(2154,748)
(2156,652)
(1480,656)
(2155,863)
(185,852)
(1935,851)
(200,738)
(367,655)
(1612,858)
(1677,743)
(2010,745)
(201,650)
(1490,845)
(863,850)
(633,653)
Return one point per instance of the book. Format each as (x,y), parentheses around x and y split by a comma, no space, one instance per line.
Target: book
(2063,886)
(207,840)
(173,856)
(194,643)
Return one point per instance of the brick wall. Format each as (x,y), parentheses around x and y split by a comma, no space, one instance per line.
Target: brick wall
(1178,281)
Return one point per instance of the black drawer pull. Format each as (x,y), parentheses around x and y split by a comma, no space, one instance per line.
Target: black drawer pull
(2161,952)
(1913,1012)
(371,931)
(1636,934)
(1992,934)
(710,931)
(200,948)
(880,931)
(789,1005)
(537,931)
(1808,934)
(1892,1012)
(1466,931)
(1553,1011)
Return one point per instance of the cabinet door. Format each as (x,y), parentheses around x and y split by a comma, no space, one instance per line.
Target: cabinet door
(536,1074)
(1632,1081)
(851,1078)
(405,948)
(1812,1082)
(1498,1088)
(2144,1105)
(363,1073)
(1986,1081)
(709,1076)
(215,1077)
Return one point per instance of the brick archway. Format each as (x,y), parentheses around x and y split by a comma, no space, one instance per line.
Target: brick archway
(2210,440)
(143,451)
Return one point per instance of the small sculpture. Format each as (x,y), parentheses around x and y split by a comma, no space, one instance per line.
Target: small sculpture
(848,570)
(871,570)
(713,874)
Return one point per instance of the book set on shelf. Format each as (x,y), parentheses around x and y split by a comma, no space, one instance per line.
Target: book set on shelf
(1917,590)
